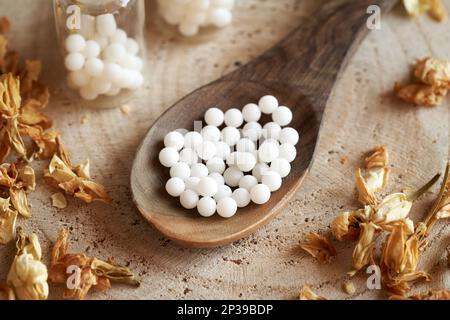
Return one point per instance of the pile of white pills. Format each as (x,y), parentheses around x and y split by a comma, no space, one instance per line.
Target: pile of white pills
(190,15)
(102,59)
(232,161)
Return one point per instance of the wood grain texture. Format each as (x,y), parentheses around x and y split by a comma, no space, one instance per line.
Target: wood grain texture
(300,71)
(267,264)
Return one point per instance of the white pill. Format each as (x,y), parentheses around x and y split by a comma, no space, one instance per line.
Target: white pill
(282,116)
(192,183)
(223,150)
(214,117)
(252,131)
(259,170)
(207,187)
(94,67)
(281,166)
(132,46)
(242,197)
(188,29)
(218,177)
(226,207)
(222,192)
(248,182)
(100,85)
(198,5)
(268,151)
(120,36)
(114,91)
(175,187)
(211,133)
(199,170)
(79,78)
(175,140)
(260,194)
(137,80)
(192,139)
(232,158)
(232,176)
(113,72)
(288,152)
(172,15)
(289,135)
(195,18)
(115,52)
(245,145)
(230,135)
(271,130)
(220,17)
(106,25)
(246,161)
(132,62)
(168,157)
(91,50)
(101,41)
(75,43)
(268,104)
(216,164)
(234,118)
(87,93)
(74,61)
(272,179)
(180,170)
(251,113)
(188,156)
(189,199)
(206,150)
(207,207)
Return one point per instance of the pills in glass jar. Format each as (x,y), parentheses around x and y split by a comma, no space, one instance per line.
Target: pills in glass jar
(190,16)
(106,55)
(233,161)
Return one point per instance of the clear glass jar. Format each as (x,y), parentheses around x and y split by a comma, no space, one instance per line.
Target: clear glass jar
(194,19)
(103,45)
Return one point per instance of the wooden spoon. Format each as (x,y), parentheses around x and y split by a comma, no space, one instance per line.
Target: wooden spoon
(301,71)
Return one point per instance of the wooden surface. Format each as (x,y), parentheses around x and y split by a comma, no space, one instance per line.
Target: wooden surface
(267,264)
(300,75)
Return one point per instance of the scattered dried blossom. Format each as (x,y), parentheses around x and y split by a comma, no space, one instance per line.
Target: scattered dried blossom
(8,219)
(308,294)
(430,295)
(59,200)
(435,8)
(28,275)
(94,273)
(319,247)
(363,251)
(346,225)
(75,180)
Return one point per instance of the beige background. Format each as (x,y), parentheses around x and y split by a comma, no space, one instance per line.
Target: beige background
(268,264)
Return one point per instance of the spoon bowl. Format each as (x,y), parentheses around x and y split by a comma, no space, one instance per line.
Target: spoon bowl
(301,72)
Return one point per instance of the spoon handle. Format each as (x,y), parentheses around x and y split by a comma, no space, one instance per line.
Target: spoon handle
(311,57)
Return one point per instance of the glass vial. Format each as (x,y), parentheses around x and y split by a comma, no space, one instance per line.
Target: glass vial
(103,46)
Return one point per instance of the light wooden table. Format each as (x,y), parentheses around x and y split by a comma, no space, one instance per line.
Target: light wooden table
(268,264)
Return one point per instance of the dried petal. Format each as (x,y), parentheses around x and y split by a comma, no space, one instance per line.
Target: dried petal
(59,200)
(421,94)
(307,294)
(19,201)
(363,252)
(319,247)
(4,25)
(393,208)
(346,225)
(437,10)
(433,72)
(28,275)
(7,224)
(31,115)
(85,190)
(29,76)
(365,194)
(416,7)
(378,158)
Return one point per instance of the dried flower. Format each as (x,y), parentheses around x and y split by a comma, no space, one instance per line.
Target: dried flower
(8,219)
(434,8)
(346,225)
(363,252)
(28,275)
(319,247)
(94,273)
(75,180)
(433,72)
(421,94)
(6,292)
(59,200)
(307,294)
(430,295)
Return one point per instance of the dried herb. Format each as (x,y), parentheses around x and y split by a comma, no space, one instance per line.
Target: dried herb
(319,247)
